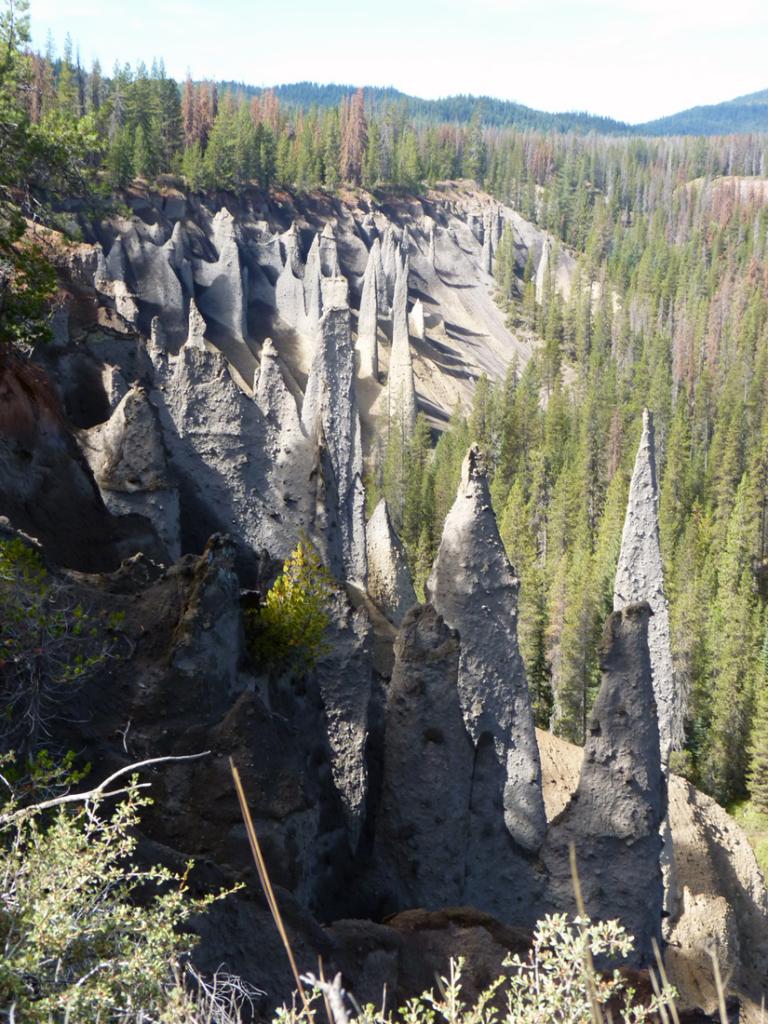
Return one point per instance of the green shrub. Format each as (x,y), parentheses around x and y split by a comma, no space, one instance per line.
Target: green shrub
(286,633)
(85,934)
(555,984)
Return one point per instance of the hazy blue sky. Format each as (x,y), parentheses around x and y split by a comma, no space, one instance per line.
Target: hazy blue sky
(630,59)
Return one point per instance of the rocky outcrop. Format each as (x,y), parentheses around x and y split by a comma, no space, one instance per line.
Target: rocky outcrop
(47,489)
(329,254)
(313,292)
(614,817)
(390,262)
(401,391)
(196,329)
(346,708)
(289,288)
(416,320)
(486,254)
(473,587)
(423,824)
(223,283)
(366,346)
(389,578)
(640,577)
(330,417)
(128,460)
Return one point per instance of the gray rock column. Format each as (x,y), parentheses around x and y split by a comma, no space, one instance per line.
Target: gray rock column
(473,586)
(640,577)
(330,412)
(614,817)
(389,578)
(129,464)
(423,819)
(400,386)
(367,347)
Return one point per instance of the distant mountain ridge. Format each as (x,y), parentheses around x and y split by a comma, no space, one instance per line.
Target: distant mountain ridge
(742,114)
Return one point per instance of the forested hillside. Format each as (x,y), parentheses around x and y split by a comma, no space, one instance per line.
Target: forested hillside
(668,308)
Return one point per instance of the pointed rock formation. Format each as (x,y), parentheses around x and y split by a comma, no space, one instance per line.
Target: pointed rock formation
(382,292)
(273,397)
(423,820)
(389,578)
(224,282)
(329,413)
(542,269)
(367,346)
(117,269)
(313,295)
(614,817)
(473,587)
(368,229)
(289,289)
(486,254)
(348,656)
(197,328)
(390,261)
(401,389)
(329,255)
(129,464)
(416,320)
(640,577)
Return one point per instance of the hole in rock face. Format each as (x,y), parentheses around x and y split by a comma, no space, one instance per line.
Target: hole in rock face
(433,735)
(84,396)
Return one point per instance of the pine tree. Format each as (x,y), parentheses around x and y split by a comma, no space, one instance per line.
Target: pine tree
(758,767)
(141,161)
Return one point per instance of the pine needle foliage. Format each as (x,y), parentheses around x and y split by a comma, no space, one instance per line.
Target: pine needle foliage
(286,633)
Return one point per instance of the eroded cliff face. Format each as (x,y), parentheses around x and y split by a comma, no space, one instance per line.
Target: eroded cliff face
(216,384)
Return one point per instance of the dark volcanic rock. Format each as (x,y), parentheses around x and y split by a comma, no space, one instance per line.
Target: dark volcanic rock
(46,487)
(423,820)
(614,817)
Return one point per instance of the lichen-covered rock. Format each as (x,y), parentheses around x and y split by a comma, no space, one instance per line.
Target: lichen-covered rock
(366,346)
(128,460)
(640,577)
(389,578)
(401,390)
(614,817)
(423,820)
(473,587)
